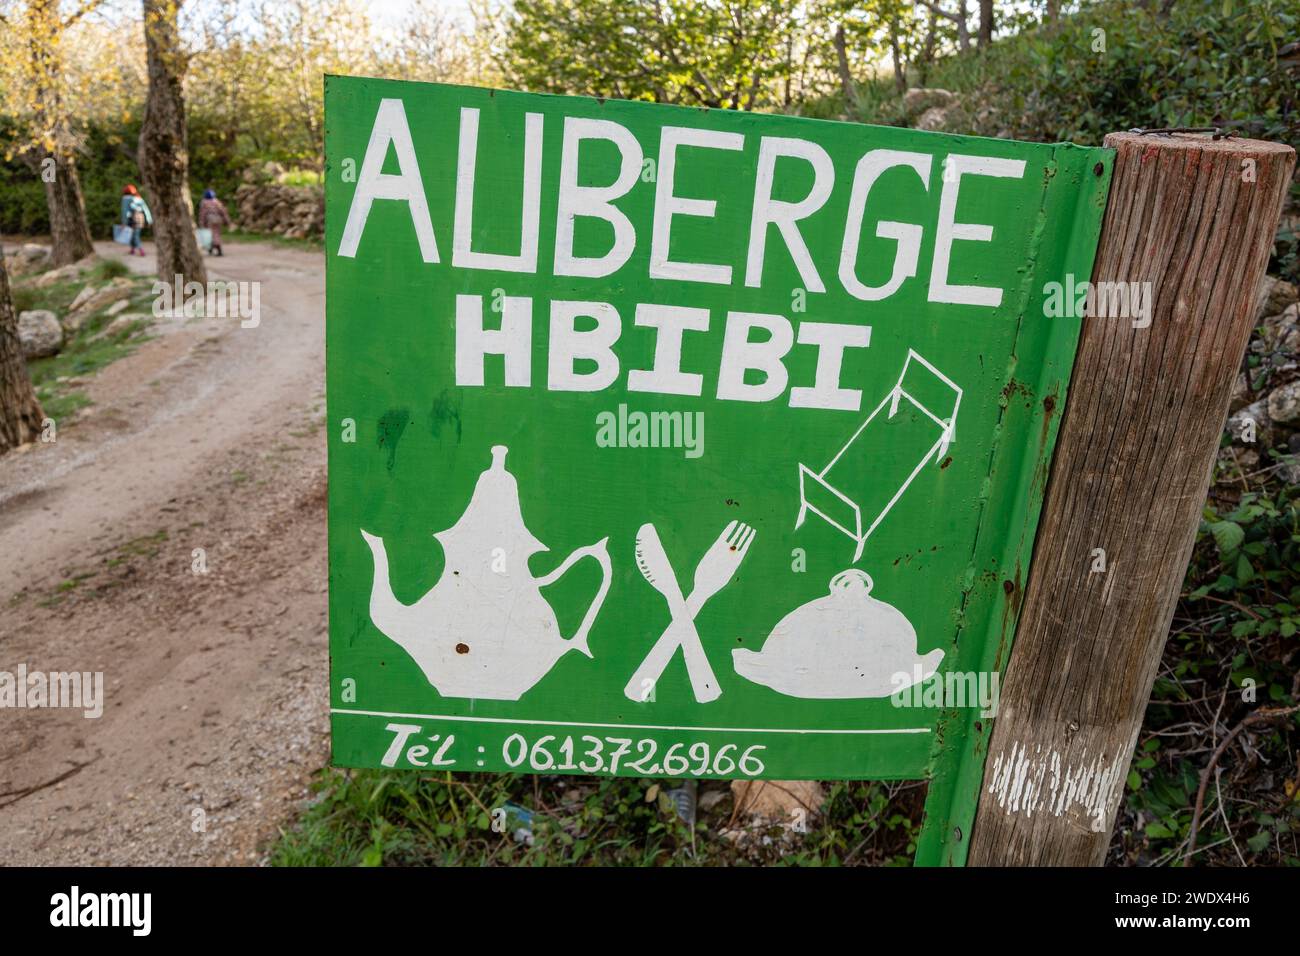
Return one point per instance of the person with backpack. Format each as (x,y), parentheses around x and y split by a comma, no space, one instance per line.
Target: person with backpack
(212,216)
(136,215)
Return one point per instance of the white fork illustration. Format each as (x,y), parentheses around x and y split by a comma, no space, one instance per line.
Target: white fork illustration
(712,573)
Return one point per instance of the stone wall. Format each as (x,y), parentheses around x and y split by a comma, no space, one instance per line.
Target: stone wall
(295,212)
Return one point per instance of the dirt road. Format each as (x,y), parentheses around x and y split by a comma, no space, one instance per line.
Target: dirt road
(210,436)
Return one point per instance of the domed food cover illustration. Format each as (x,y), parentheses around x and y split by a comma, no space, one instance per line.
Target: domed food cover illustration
(484,630)
(841,646)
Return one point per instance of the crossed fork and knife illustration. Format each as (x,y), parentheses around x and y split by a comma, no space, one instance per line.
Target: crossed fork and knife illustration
(712,573)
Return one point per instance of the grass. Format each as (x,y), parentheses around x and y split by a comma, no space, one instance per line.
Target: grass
(374,818)
(85,352)
(63,589)
(146,546)
(308,245)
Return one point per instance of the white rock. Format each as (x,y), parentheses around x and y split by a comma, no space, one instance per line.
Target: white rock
(1258,414)
(61,274)
(919,99)
(933,118)
(1284,403)
(121,323)
(84,306)
(82,298)
(40,333)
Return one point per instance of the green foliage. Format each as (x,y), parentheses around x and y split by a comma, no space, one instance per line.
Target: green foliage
(1231,652)
(714,53)
(1117,65)
(105,164)
(1255,564)
(374,818)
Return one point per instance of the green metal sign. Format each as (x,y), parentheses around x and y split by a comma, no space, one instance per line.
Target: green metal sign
(673,442)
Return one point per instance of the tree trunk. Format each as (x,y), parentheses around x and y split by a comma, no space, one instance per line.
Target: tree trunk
(963,27)
(1053,11)
(164,152)
(52,156)
(69,233)
(1142,423)
(846,78)
(20,411)
(927,49)
(986,23)
(896,57)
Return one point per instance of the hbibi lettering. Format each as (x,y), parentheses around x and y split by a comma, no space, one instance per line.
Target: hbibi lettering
(953,689)
(37,689)
(1101,300)
(103,909)
(213,300)
(651,430)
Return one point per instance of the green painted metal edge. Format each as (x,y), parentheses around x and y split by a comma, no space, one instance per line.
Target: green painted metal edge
(1033,400)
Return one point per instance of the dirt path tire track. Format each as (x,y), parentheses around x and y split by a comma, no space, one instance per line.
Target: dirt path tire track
(208,436)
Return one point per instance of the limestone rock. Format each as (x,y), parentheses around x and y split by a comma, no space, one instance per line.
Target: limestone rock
(61,274)
(1240,422)
(122,323)
(1284,403)
(90,299)
(82,298)
(40,333)
(933,119)
(1274,296)
(29,257)
(919,100)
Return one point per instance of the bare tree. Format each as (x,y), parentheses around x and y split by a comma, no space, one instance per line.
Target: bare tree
(164,149)
(20,410)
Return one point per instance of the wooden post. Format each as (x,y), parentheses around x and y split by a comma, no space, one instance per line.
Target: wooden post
(1195,218)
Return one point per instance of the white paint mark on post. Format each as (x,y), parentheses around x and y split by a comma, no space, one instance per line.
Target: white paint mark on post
(1041,783)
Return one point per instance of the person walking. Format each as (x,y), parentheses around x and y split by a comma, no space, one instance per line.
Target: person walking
(212,216)
(136,215)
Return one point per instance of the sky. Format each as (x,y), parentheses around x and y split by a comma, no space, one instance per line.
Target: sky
(392,12)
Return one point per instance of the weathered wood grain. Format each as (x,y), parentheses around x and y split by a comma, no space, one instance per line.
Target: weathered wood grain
(1195,218)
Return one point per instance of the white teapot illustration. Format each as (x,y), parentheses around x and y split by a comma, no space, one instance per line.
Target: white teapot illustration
(484,630)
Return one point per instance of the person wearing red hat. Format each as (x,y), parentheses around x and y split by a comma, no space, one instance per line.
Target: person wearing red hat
(136,215)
